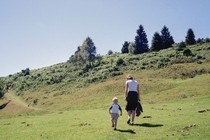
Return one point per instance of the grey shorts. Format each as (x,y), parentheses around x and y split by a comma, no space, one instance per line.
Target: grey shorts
(114,117)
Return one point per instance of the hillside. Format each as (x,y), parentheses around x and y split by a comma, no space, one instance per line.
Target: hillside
(69,86)
(175,95)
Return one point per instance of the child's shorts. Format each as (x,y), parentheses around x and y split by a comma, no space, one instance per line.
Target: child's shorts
(114,117)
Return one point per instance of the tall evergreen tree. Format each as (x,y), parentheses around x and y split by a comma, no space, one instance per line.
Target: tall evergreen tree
(156,44)
(167,39)
(88,50)
(141,42)
(125,47)
(190,38)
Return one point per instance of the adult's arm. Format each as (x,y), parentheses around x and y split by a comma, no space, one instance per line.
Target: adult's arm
(126,90)
(138,91)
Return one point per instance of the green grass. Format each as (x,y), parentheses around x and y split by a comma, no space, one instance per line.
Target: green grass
(173,105)
(175,120)
(75,109)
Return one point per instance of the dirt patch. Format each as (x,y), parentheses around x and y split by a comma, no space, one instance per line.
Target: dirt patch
(13,105)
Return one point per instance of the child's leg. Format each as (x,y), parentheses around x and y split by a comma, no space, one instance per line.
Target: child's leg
(112,120)
(115,120)
(115,125)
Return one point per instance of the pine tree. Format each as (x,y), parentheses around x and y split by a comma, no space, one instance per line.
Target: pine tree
(190,38)
(141,42)
(167,39)
(88,50)
(125,47)
(156,42)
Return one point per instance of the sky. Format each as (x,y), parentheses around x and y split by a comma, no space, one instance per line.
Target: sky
(40,33)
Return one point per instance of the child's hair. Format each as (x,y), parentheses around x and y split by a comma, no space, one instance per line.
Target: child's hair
(115,100)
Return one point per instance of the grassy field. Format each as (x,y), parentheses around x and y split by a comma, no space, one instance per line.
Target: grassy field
(175,120)
(178,108)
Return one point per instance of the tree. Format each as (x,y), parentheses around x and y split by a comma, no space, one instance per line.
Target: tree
(167,39)
(190,38)
(156,42)
(125,47)
(199,40)
(85,52)
(132,48)
(110,52)
(141,42)
(88,50)
(77,58)
(78,50)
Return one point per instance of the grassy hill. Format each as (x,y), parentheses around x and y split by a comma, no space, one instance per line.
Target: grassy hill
(40,86)
(67,101)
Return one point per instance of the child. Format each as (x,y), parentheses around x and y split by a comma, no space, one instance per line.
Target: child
(114,112)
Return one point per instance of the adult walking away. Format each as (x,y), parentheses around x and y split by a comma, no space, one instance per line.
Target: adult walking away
(132,97)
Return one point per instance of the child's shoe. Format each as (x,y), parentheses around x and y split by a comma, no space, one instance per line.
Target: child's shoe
(129,120)
(112,125)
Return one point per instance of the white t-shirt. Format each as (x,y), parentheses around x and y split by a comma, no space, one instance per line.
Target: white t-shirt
(132,85)
(115,108)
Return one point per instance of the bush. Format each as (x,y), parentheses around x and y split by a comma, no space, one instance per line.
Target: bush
(120,61)
(181,46)
(25,72)
(1,94)
(187,52)
(206,40)
(116,73)
(1,89)
(200,57)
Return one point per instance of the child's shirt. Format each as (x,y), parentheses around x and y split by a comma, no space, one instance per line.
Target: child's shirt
(115,108)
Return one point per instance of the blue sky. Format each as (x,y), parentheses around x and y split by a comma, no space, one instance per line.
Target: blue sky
(39,33)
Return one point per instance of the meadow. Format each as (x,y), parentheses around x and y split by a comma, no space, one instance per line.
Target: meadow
(69,102)
(176,120)
(173,109)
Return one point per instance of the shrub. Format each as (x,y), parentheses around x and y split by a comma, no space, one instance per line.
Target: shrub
(187,52)
(206,40)
(116,73)
(120,61)
(1,89)
(200,57)
(181,46)
(160,64)
(25,72)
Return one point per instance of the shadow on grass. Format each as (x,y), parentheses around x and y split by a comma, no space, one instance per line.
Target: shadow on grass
(4,105)
(148,125)
(126,131)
